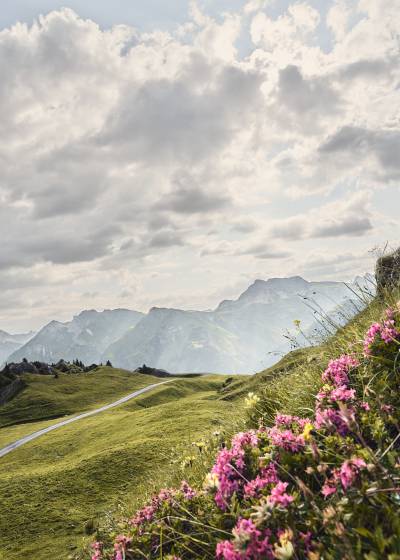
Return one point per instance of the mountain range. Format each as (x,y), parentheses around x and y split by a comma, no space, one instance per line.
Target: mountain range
(10,343)
(239,336)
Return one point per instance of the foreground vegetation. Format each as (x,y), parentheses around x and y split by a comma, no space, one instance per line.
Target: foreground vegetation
(314,473)
(55,488)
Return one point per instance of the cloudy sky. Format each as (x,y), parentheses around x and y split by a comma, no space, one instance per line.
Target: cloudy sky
(169,153)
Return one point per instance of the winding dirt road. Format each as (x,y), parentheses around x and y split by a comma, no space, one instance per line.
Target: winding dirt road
(10,447)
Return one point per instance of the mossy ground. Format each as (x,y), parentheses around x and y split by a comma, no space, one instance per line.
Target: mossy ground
(55,488)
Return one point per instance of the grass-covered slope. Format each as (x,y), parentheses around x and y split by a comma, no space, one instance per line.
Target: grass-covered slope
(316,476)
(45,396)
(54,488)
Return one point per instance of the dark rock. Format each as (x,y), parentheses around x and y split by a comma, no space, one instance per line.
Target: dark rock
(146,370)
(387,272)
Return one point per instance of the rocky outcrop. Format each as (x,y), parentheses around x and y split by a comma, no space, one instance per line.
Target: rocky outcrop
(152,371)
(387,272)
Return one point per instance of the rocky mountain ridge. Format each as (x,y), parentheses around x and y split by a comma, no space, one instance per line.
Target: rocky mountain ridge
(242,335)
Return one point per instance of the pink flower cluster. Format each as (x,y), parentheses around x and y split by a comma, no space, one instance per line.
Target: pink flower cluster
(229,467)
(166,495)
(346,475)
(278,496)
(249,543)
(337,392)
(268,475)
(385,332)
(97,550)
(286,439)
(120,546)
(337,372)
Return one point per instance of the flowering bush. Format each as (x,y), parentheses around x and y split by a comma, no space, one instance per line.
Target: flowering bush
(324,487)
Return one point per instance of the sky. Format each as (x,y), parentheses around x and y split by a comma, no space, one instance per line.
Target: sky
(167,154)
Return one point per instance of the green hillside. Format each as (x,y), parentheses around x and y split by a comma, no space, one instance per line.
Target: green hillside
(341,472)
(54,489)
(47,397)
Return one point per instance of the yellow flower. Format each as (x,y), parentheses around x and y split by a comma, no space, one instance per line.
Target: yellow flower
(308,428)
(251,400)
(285,550)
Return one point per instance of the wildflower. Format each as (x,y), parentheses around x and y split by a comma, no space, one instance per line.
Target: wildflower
(385,331)
(188,461)
(308,428)
(199,444)
(97,550)
(349,471)
(342,393)
(278,496)
(285,549)
(335,420)
(328,514)
(338,370)
(251,400)
(267,476)
(120,546)
(187,491)
(249,543)
(261,512)
(328,489)
(211,482)
(286,439)
(388,408)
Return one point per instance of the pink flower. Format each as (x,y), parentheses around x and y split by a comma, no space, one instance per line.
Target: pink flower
(229,467)
(335,420)
(338,370)
(278,495)
(147,513)
(187,491)
(350,470)
(97,550)
(328,489)
(286,439)
(386,331)
(267,476)
(289,421)
(388,408)
(249,543)
(342,393)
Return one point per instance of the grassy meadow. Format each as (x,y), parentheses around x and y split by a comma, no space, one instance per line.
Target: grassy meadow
(54,489)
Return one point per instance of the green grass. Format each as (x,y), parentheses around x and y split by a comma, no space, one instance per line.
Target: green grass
(290,385)
(55,488)
(46,397)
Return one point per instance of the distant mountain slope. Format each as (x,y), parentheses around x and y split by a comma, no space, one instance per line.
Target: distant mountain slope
(178,341)
(10,343)
(85,337)
(242,336)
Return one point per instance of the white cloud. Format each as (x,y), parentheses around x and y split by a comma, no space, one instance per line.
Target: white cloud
(134,153)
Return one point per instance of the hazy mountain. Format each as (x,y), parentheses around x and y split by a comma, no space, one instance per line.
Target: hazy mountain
(243,335)
(9,343)
(85,337)
(179,341)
